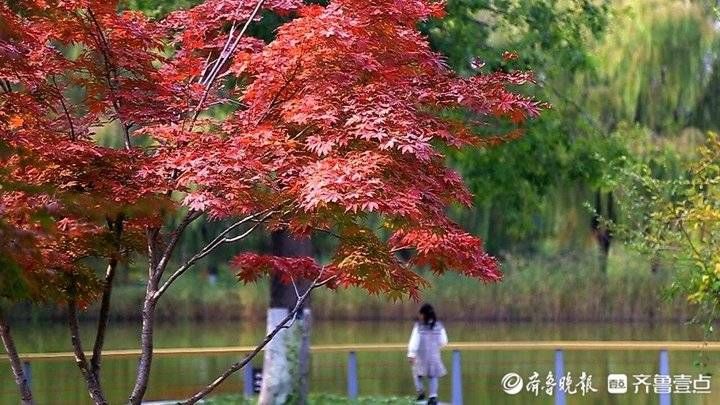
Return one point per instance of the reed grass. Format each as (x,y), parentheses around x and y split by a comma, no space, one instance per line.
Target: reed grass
(567,287)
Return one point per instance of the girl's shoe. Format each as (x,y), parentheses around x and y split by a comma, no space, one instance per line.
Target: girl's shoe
(432,401)
(421,397)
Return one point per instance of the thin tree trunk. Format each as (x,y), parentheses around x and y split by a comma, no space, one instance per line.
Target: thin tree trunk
(286,359)
(94,388)
(103,319)
(159,254)
(146,348)
(104,314)
(15,364)
(656,282)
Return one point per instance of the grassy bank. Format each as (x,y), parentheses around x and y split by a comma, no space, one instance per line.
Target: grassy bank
(315,399)
(561,288)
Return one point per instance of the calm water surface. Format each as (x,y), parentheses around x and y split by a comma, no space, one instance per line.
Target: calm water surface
(58,382)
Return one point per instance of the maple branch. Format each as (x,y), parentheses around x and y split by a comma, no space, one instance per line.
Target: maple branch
(224,56)
(284,324)
(103,319)
(215,65)
(276,96)
(65,110)
(104,314)
(327,231)
(109,72)
(15,364)
(399,248)
(172,242)
(218,241)
(153,293)
(96,393)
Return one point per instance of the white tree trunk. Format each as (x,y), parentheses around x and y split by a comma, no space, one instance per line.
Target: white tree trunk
(286,360)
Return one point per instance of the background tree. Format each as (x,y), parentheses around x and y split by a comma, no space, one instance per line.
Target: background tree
(286,361)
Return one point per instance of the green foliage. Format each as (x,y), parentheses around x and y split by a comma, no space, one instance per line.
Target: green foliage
(548,35)
(613,71)
(158,8)
(519,187)
(12,283)
(315,399)
(677,219)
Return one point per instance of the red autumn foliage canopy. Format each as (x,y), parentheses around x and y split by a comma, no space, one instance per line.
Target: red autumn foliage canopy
(337,124)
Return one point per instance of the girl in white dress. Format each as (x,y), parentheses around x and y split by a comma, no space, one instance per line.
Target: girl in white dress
(427,338)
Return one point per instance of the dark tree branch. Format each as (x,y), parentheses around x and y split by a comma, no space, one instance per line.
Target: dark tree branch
(172,241)
(218,241)
(230,45)
(96,393)
(104,314)
(284,324)
(110,77)
(73,136)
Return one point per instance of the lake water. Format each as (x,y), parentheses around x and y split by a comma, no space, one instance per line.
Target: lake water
(386,373)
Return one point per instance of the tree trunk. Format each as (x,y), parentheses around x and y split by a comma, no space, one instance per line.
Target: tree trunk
(146,346)
(104,315)
(15,364)
(156,263)
(103,319)
(601,232)
(286,364)
(656,283)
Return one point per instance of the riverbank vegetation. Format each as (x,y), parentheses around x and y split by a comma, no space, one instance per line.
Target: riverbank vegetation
(558,288)
(317,399)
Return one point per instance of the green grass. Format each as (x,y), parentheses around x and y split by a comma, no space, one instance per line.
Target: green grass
(315,399)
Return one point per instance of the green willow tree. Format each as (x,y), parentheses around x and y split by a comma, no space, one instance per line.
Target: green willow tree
(648,75)
(525,191)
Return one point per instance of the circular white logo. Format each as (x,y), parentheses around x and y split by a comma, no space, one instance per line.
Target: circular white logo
(512,383)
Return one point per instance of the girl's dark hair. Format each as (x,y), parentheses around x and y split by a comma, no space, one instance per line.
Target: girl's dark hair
(428,314)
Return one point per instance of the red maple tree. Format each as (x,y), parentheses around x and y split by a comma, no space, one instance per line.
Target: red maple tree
(336,125)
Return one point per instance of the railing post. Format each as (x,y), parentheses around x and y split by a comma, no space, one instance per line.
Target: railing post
(559,373)
(352,376)
(664,371)
(248,380)
(27,370)
(457,394)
